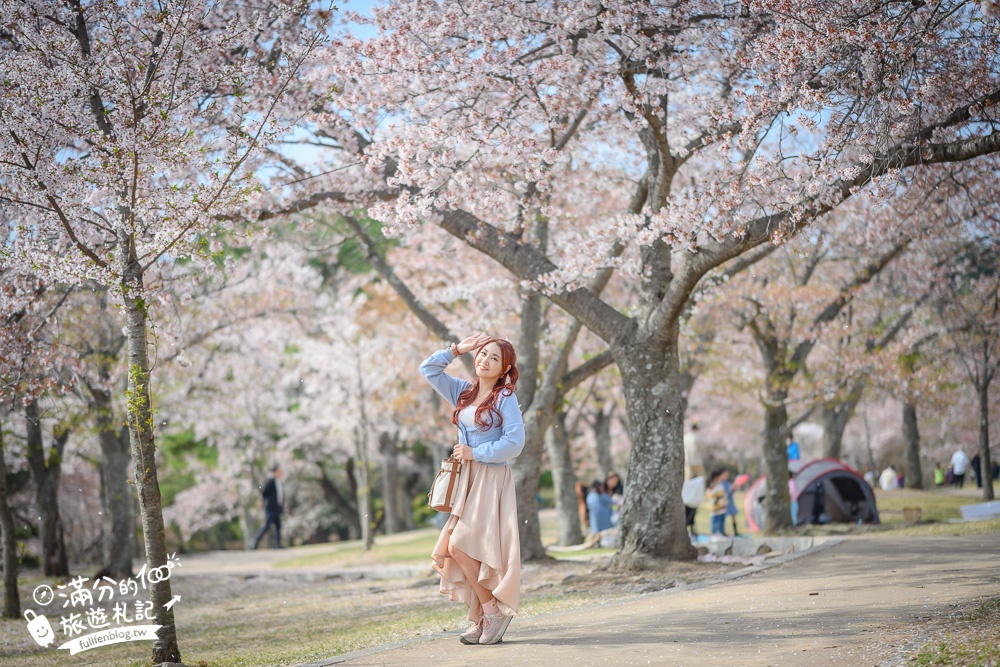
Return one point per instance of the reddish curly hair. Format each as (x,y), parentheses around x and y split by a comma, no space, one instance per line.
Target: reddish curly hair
(487,415)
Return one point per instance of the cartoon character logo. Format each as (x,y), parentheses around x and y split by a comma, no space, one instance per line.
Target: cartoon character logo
(40,628)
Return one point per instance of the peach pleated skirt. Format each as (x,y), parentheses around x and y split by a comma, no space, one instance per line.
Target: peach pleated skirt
(483,524)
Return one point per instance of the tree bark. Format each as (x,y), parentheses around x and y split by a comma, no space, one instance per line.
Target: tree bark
(363,494)
(116,492)
(564,481)
(526,469)
(345,508)
(836,415)
(777,503)
(11,596)
(651,524)
(868,444)
(46,470)
(394,505)
(140,425)
(780,371)
(602,441)
(986,464)
(914,476)
(363,488)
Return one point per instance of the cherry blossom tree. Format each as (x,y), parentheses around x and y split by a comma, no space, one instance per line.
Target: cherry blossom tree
(959,215)
(33,366)
(714,128)
(151,110)
(233,344)
(92,334)
(971,312)
(12,596)
(30,366)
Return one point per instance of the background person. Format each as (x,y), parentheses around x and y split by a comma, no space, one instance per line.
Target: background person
(694,466)
(959,464)
(478,553)
(273,497)
(692,493)
(977,469)
(717,501)
(599,507)
(792,449)
(731,509)
(889,479)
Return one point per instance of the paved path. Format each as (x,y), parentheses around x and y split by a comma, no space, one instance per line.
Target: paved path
(866,601)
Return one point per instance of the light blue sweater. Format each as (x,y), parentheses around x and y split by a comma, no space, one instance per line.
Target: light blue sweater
(494,446)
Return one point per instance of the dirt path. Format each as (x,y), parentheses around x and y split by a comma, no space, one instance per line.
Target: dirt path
(866,601)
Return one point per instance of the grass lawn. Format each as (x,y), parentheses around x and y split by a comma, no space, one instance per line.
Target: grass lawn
(971,640)
(411,551)
(296,613)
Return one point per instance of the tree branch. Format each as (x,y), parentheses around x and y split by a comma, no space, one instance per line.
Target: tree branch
(528,264)
(587,369)
(426,317)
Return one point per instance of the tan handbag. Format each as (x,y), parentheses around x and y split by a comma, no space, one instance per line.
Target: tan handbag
(444,489)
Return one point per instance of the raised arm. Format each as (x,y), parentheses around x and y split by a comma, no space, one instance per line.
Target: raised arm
(433,369)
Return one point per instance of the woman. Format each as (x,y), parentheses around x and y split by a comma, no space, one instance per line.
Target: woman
(599,505)
(478,554)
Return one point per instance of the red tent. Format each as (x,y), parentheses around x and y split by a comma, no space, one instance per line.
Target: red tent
(827,491)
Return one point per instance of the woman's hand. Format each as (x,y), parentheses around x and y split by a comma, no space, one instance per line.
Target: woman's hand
(461,452)
(472,342)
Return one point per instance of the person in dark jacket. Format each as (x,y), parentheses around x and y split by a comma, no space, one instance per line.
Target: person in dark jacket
(273,495)
(977,470)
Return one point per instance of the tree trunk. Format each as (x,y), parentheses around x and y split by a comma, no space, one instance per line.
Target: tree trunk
(986,464)
(363,490)
(393,495)
(602,440)
(526,469)
(116,492)
(341,501)
(836,416)
(868,444)
(777,504)
(11,596)
(46,469)
(248,526)
(564,481)
(413,485)
(249,504)
(914,476)
(537,419)
(140,426)
(652,519)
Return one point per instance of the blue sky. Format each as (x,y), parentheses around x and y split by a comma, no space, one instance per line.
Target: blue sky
(361,7)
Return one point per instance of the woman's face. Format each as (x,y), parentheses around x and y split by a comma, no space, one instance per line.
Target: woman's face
(489,364)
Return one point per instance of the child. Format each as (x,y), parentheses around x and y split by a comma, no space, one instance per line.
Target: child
(718,502)
(731,509)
